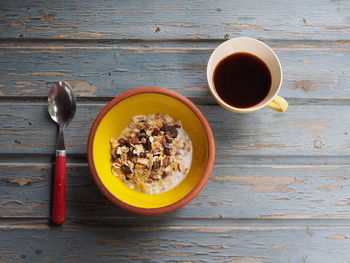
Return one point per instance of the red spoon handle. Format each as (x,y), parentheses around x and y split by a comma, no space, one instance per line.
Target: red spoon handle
(59,194)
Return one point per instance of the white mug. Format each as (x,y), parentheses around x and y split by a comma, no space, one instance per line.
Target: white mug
(262,51)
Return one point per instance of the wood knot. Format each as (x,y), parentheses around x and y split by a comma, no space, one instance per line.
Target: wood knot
(157,29)
(305,85)
(226,36)
(47,17)
(318,144)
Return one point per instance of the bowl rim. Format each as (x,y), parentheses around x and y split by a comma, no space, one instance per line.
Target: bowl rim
(187,198)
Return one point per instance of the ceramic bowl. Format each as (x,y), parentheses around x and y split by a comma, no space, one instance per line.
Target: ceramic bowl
(116,115)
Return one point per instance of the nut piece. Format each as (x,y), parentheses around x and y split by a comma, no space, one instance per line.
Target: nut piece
(181,167)
(159,123)
(138,149)
(114,143)
(166,162)
(142,161)
(157,147)
(116,171)
(119,150)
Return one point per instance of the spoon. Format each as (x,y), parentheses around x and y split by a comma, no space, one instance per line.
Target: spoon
(62,106)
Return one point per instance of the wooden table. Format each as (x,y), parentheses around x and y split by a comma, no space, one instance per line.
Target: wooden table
(280,189)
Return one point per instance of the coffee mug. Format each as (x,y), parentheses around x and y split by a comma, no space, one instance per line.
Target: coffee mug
(264,53)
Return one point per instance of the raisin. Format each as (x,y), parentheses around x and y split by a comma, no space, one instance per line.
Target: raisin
(126,169)
(115,155)
(164,174)
(170,130)
(156,165)
(164,127)
(143,155)
(168,140)
(143,131)
(167,151)
(134,140)
(156,132)
(122,141)
(166,148)
(147,145)
(173,131)
(131,155)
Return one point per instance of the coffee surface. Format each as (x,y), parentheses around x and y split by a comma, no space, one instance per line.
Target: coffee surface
(242,80)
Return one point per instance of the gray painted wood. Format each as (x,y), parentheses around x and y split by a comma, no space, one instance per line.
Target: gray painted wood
(179,19)
(270,191)
(201,243)
(310,129)
(279,191)
(311,69)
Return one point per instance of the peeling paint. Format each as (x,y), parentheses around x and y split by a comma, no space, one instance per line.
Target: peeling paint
(247,260)
(330,187)
(22,181)
(83,87)
(44,74)
(337,236)
(276,246)
(247,26)
(262,184)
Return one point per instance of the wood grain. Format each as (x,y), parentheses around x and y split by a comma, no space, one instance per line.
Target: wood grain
(312,70)
(280,187)
(178,19)
(234,191)
(201,243)
(27,129)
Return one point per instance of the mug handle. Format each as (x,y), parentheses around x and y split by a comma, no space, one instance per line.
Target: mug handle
(278,104)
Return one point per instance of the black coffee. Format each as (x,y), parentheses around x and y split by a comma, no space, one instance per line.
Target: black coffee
(242,80)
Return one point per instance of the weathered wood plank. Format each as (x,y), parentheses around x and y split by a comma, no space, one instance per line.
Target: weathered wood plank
(233,191)
(175,19)
(304,130)
(202,243)
(311,69)
(249,180)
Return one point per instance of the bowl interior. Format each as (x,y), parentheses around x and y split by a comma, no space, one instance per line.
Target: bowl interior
(113,123)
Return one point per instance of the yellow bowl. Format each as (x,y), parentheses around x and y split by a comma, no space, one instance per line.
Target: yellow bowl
(116,115)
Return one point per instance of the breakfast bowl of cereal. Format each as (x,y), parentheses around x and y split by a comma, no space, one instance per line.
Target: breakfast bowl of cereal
(150,151)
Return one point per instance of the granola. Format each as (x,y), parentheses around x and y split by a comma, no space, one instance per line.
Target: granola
(153,153)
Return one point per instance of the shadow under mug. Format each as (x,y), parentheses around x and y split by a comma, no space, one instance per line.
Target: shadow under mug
(265,53)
